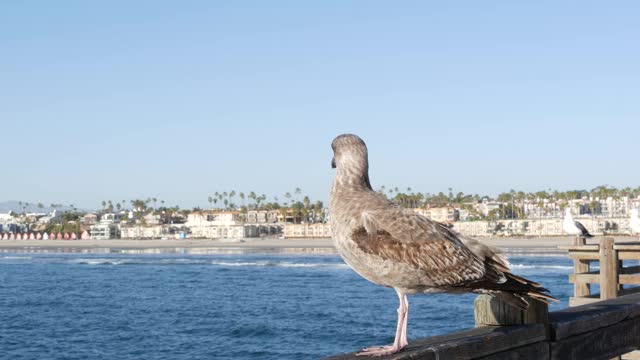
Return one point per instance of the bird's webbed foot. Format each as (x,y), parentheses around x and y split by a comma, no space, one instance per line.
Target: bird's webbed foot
(380,350)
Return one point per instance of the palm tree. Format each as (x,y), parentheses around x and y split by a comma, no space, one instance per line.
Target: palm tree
(232,196)
(288,196)
(210,200)
(261,198)
(242,198)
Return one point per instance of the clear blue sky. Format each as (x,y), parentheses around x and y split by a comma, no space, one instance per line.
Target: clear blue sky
(176,100)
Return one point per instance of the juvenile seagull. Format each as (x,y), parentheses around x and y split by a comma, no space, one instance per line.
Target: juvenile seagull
(573,227)
(403,250)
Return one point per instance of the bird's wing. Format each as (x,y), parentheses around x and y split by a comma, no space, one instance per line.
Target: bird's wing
(582,229)
(401,235)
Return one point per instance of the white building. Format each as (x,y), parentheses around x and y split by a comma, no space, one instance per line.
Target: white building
(104,231)
(213,218)
(224,231)
(220,224)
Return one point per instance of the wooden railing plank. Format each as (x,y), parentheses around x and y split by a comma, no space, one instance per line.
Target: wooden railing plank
(635,246)
(467,344)
(584,255)
(584,279)
(596,331)
(537,351)
(629,255)
(580,319)
(580,247)
(602,343)
(629,279)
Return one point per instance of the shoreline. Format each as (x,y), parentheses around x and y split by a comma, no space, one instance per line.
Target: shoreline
(547,243)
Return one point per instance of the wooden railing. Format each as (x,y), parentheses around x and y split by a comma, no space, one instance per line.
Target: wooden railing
(597,326)
(599,330)
(612,276)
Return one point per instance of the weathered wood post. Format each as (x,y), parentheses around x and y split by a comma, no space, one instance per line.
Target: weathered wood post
(581,289)
(608,269)
(490,310)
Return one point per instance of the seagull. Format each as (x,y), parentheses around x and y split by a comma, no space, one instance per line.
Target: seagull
(634,222)
(572,227)
(400,249)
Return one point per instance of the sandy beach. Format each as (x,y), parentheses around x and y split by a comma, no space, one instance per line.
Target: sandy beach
(548,243)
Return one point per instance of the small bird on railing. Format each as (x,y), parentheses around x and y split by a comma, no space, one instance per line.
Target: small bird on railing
(573,227)
(400,249)
(634,222)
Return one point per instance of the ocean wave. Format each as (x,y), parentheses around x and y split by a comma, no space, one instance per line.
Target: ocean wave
(100,262)
(265,263)
(278,264)
(137,262)
(17,257)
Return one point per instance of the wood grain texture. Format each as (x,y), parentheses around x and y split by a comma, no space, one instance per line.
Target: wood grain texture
(467,344)
(603,343)
(492,311)
(581,319)
(608,269)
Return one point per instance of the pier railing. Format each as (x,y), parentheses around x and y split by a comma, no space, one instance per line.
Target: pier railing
(605,325)
(612,276)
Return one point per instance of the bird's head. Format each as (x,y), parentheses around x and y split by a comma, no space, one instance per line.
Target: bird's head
(350,158)
(567,211)
(349,151)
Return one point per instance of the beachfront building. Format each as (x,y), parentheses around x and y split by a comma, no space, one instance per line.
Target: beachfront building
(446,214)
(104,231)
(10,224)
(89,219)
(220,224)
(213,218)
(153,232)
(142,232)
(262,216)
(224,231)
(486,206)
(152,219)
(317,230)
(111,217)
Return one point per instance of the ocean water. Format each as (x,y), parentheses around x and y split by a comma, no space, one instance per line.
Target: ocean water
(216,306)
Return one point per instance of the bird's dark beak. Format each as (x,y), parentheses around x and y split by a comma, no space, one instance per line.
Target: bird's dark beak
(333,163)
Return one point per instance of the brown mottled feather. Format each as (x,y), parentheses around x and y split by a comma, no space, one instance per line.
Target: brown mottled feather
(458,266)
(434,248)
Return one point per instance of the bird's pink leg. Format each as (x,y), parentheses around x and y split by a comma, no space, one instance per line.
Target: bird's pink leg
(401,333)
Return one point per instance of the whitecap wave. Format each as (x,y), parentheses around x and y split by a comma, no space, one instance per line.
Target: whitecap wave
(101,262)
(279,264)
(17,257)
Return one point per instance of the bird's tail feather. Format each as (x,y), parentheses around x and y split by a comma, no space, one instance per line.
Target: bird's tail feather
(515,290)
